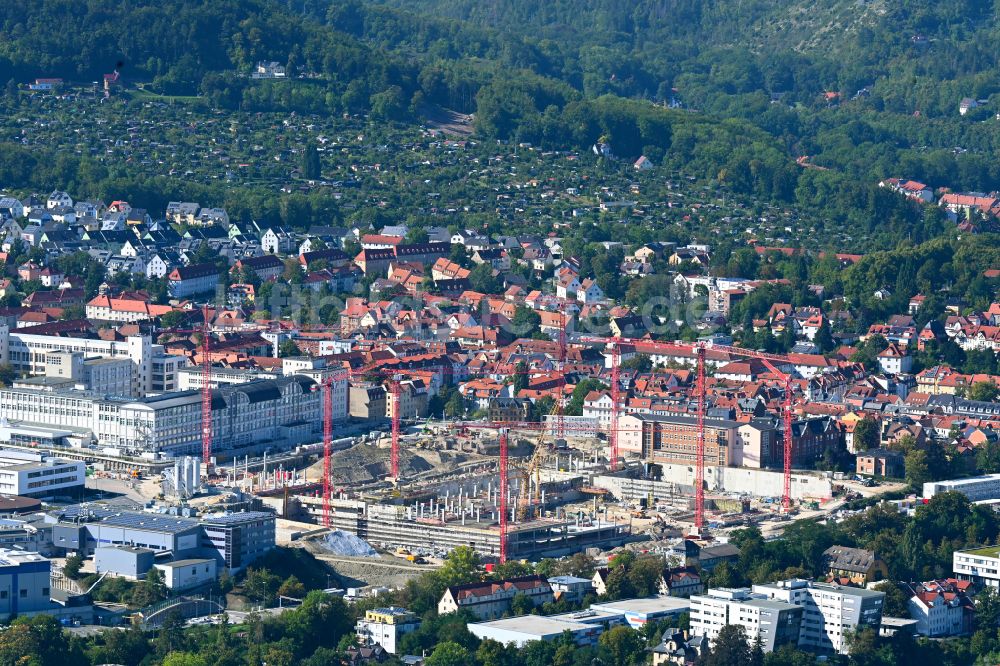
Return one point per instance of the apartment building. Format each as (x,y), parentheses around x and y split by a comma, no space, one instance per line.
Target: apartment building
(775,623)
(830,613)
(385,626)
(491,599)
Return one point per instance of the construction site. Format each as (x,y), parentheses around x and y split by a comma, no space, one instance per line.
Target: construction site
(527,490)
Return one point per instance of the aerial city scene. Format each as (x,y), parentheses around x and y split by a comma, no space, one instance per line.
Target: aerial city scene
(499,333)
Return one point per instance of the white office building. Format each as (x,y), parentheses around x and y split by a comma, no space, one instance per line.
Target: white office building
(981,566)
(831,612)
(976,489)
(30,353)
(285,410)
(775,623)
(37,475)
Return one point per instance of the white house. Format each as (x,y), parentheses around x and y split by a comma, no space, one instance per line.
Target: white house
(385,626)
(941,608)
(892,360)
(59,199)
(589,292)
(276,241)
(157,266)
(643,164)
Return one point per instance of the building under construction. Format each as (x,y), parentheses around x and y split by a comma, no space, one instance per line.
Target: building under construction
(445,523)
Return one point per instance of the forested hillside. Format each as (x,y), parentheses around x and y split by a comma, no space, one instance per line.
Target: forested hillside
(865,90)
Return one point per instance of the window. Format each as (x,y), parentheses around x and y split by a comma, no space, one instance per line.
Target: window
(24,594)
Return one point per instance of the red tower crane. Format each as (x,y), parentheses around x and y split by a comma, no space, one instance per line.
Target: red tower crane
(502,502)
(699,467)
(206,393)
(616,397)
(699,350)
(786,406)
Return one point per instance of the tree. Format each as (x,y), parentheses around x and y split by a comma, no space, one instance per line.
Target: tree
(526,321)
(184,659)
(460,566)
(455,405)
(448,654)
(866,434)
(823,339)
(521,605)
(895,599)
(730,648)
(481,279)
(260,585)
(987,609)
(72,567)
(624,644)
(619,585)
(291,587)
(986,391)
(988,457)
(288,348)
(150,590)
(311,166)
(520,377)
(917,469)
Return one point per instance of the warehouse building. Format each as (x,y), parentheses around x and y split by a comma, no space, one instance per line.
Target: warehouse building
(188,574)
(232,540)
(521,630)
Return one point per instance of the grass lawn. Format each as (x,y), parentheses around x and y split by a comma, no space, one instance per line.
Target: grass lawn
(141,94)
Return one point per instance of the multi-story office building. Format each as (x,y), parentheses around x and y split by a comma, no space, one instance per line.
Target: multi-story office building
(285,410)
(232,540)
(975,489)
(668,438)
(235,540)
(831,612)
(775,623)
(981,566)
(36,475)
(30,350)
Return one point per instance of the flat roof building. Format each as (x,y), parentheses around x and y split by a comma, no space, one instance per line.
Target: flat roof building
(518,631)
(975,489)
(774,623)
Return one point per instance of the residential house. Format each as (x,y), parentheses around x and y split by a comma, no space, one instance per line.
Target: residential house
(185,281)
(266,267)
(59,200)
(492,599)
(277,240)
(880,462)
(941,607)
(894,361)
(182,212)
(681,581)
(856,566)
(589,292)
